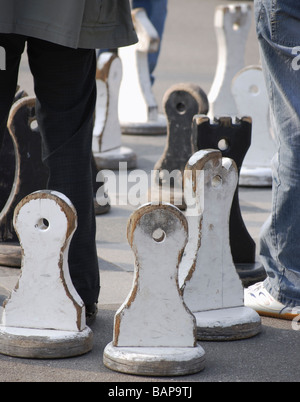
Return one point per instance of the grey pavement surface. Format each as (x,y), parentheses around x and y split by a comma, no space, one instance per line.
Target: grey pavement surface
(189,54)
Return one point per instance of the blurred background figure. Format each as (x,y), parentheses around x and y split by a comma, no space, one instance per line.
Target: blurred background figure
(157,14)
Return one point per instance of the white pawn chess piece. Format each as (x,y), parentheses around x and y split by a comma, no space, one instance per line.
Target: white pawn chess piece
(107,136)
(232,25)
(138,109)
(154,332)
(211,287)
(251,97)
(44,317)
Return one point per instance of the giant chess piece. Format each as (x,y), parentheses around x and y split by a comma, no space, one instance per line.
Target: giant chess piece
(181,103)
(211,286)
(138,109)
(24,173)
(107,145)
(44,317)
(154,332)
(233,139)
(251,97)
(232,25)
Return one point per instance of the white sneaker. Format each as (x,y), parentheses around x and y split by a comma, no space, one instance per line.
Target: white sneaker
(260,300)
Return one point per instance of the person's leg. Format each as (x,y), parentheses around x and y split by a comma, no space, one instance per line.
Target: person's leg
(278,28)
(14,47)
(157,14)
(64,82)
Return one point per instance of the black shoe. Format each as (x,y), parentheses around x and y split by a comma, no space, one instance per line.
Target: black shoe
(90,313)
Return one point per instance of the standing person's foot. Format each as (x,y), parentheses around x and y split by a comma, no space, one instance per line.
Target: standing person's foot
(260,300)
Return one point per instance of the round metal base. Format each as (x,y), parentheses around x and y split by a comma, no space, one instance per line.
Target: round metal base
(156,361)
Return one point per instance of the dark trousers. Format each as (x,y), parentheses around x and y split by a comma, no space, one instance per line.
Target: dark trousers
(65,88)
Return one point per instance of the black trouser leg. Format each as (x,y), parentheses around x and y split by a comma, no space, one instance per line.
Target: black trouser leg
(65,88)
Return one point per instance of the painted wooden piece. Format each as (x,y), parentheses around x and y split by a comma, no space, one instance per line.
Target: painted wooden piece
(138,109)
(251,97)
(107,136)
(25,173)
(233,140)
(211,286)
(181,102)
(44,317)
(154,332)
(232,25)
(7,160)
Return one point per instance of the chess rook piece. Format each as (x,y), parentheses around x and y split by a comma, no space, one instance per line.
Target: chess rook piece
(181,102)
(211,287)
(44,317)
(233,140)
(107,136)
(154,332)
(232,25)
(25,173)
(138,109)
(251,97)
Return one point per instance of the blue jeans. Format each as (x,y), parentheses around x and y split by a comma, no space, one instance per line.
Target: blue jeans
(157,13)
(278,30)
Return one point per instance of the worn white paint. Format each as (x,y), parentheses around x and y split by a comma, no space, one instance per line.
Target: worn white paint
(154,361)
(107,136)
(214,282)
(54,335)
(194,199)
(232,25)
(154,332)
(228,317)
(138,109)
(154,314)
(251,97)
(45,297)
(207,275)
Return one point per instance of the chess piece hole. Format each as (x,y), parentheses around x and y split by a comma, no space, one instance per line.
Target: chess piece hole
(223,144)
(216,181)
(180,107)
(254,89)
(236,26)
(33,124)
(43,224)
(158,235)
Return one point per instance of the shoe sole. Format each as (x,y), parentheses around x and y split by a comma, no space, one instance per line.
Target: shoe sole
(286,316)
